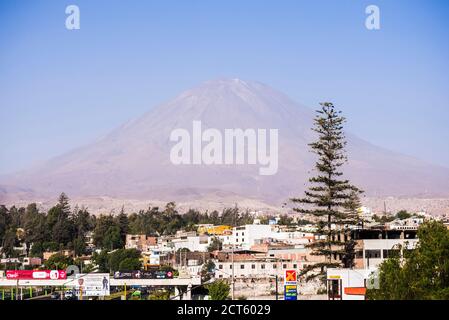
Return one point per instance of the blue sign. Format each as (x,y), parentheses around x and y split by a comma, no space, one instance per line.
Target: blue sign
(290,292)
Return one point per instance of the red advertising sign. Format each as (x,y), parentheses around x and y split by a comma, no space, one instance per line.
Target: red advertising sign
(290,277)
(35,274)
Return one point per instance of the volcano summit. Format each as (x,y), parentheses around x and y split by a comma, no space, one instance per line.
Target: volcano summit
(133,161)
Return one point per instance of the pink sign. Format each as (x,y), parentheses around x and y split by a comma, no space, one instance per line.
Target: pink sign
(35,274)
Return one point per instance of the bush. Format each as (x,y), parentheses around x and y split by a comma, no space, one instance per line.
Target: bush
(218,290)
(159,295)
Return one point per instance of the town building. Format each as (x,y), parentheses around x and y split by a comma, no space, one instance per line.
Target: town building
(374,246)
(243,237)
(140,242)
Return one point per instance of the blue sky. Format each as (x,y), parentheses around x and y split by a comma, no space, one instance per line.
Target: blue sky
(60,89)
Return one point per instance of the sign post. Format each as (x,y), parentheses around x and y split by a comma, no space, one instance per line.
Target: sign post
(290,285)
(92,285)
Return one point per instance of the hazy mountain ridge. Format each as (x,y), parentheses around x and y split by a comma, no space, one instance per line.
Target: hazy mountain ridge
(132,162)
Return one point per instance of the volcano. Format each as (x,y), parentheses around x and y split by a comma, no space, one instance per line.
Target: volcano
(133,161)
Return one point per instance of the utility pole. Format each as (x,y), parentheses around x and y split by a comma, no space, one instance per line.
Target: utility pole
(232,255)
(277,297)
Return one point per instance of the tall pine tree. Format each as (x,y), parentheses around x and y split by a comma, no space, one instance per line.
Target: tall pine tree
(330,199)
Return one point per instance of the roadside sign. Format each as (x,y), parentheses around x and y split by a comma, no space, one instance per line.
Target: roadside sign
(92,284)
(137,274)
(290,277)
(290,292)
(35,274)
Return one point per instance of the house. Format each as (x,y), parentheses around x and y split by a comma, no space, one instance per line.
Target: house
(140,242)
(31,262)
(375,245)
(65,253)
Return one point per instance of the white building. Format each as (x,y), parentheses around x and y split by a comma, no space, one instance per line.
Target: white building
(254,269)
(192,243)
(406,224)
(374,251)
(243,237)
(293,237)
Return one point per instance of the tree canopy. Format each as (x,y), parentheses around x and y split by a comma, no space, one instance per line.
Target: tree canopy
(218,290)
(422,273)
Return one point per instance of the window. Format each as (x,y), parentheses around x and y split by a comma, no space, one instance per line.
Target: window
(243,233)
(284,266)
(372,254)
(391,253)
(230,266)
(262,266)
(253,266)
(359,254)
(274,266)
(242,266)
(243,240)
(220,266)
(295,266)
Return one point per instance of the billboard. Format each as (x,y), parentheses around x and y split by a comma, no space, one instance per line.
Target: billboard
(137,274)
(92,284)
(36,274)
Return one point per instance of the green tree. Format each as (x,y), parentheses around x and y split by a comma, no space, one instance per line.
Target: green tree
(58,221)
(130,257)
(9,242)
(218,290)
(285,220)
(101,260)
(384,219)
(35,225)
(123,224)
(207,271)
(37,249)
(215,244)
(403,214)
(58,262)
(421,274)
(107,233)
(130,264)
(351,207)
(4,220)
(112,238)
(79,246)
(329,194)
(83,222)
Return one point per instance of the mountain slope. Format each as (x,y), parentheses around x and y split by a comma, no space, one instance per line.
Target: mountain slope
(133,160)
